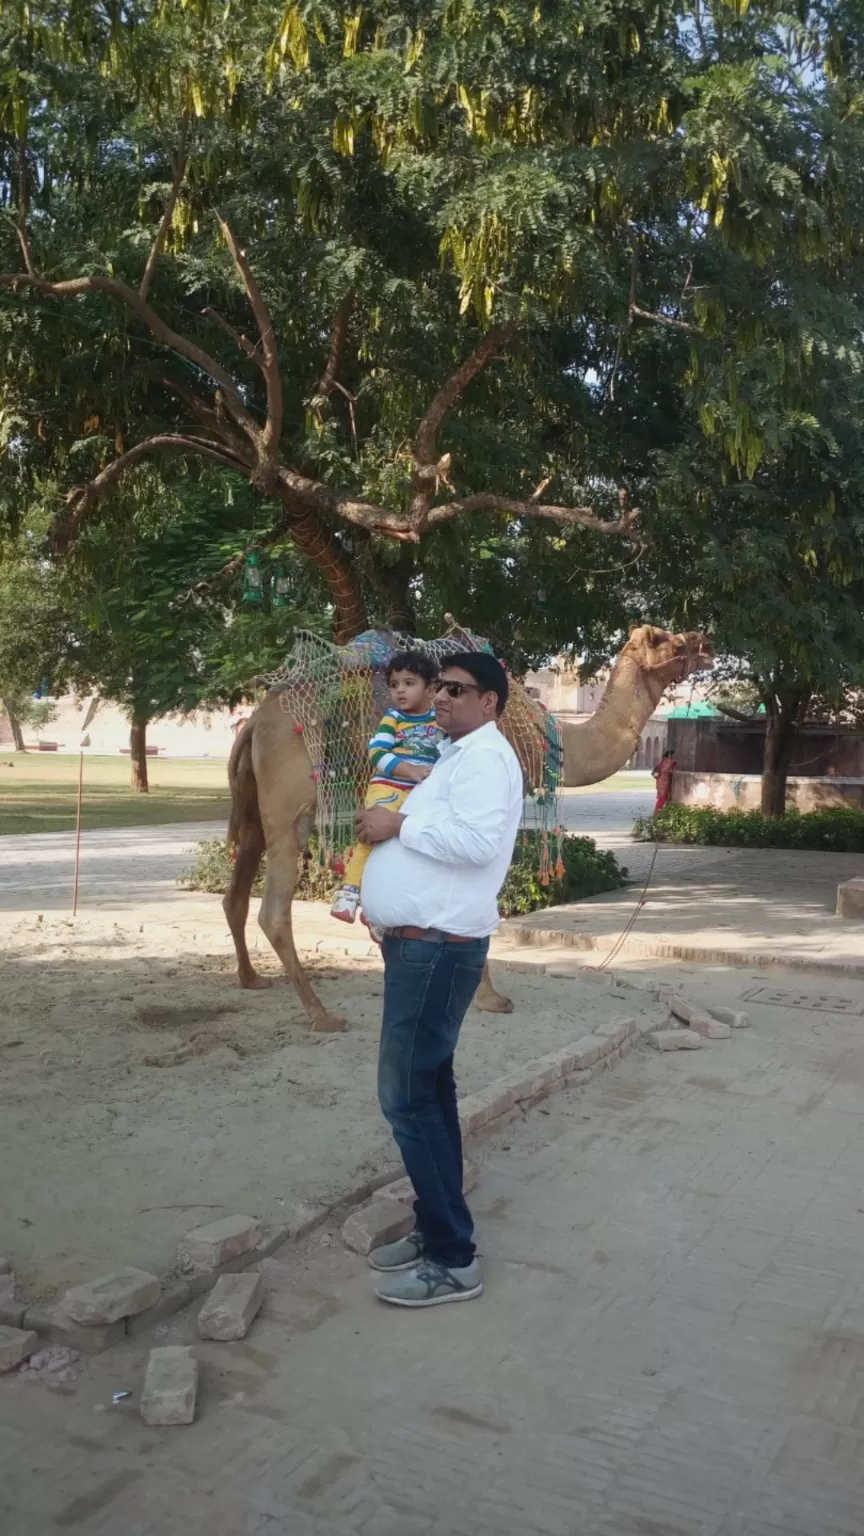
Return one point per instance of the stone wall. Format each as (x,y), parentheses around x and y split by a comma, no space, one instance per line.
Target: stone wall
(742,791)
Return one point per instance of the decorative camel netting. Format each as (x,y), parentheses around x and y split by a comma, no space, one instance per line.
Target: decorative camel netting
(337,695)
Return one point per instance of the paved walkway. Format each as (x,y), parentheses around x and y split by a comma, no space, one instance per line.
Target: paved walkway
(671,1342)
(125,866)
(762,906)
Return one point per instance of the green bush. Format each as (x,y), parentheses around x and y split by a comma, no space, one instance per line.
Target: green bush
(837,830)
(587,871)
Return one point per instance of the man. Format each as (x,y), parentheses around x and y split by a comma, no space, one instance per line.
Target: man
(431,884)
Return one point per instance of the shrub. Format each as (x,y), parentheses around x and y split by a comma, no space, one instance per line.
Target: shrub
(587,871)
(839,829)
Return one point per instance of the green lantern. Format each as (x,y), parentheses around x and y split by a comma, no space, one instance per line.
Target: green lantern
(281,594)
(253,579)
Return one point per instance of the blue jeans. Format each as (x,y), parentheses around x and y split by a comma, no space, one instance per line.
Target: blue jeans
(428,988)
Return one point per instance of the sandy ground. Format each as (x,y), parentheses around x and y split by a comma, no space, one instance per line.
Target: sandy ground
(142,1094)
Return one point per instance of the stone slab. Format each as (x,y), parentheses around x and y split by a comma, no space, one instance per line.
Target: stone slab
(730,1016)
(232,1306)
(710,1029)
(214,1244)
(16,1344)
(55,1325)
(675,1040)
(170,1386)
(122,1293)
(850,899)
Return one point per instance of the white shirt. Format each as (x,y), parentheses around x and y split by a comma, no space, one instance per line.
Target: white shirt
(454,848)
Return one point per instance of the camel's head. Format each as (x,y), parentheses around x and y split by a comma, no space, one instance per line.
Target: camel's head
(665,658)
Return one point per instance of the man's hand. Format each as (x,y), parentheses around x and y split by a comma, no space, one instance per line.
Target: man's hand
(377,824)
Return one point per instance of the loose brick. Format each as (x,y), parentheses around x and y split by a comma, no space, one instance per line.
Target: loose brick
(176,1294)
(379,1222)
(55,1325)
(123,1293)
(582,1077)
(170,1386)
(16,1344)
(208,1247)
(232,1306)
(681,1008)
(710,1029)
(675,1040)
(730,1017)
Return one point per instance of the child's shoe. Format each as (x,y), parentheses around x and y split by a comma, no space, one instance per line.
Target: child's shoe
(345,903)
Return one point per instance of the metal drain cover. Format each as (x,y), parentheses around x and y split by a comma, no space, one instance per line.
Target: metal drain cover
(816,1002)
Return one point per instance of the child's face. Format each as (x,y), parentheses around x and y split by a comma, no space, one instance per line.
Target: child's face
(410,693)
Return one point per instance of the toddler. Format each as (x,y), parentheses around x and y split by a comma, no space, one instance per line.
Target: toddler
(403,751)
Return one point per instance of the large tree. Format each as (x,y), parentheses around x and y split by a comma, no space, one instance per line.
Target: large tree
(355,255)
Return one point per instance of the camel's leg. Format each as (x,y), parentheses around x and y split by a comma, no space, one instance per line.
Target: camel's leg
(275,918)
(235,904)
(487,999)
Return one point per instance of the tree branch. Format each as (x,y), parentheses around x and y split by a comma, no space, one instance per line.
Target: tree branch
(426,475)
(425,441)
(268,362)
(82,498)
(24,207)
(735,714)
(242,341)
(72,287)
(566,517)
(165,222)
(338,338)
(677,325)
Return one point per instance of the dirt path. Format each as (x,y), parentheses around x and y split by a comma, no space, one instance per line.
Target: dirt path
(142,1093)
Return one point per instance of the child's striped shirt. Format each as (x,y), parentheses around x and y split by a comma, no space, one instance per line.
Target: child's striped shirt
(402,738)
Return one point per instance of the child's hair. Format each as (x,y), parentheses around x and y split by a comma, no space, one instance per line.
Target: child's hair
(412,661)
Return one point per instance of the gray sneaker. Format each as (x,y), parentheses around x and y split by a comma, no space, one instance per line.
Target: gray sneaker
(399,1255)
(428,1284)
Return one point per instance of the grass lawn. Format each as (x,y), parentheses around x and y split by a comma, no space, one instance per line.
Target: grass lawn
(38,791)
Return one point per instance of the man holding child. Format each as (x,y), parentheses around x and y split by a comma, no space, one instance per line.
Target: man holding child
(430,886)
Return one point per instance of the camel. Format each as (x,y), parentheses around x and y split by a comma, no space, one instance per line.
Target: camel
(273,794)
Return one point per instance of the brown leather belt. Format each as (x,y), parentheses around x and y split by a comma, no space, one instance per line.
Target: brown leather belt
(428,935)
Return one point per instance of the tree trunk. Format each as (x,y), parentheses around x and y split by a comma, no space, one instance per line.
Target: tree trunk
(138,747)
(394,586)
(338,569)
(784,718)
(15,723)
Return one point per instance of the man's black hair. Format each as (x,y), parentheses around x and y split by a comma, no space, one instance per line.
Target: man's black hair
(412,661)
(486,670)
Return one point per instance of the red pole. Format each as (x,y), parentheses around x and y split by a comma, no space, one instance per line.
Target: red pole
(78,832)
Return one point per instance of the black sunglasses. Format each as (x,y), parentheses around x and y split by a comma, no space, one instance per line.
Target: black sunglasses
(455,690)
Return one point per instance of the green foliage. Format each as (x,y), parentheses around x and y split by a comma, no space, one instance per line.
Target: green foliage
(587,871)
(837,830)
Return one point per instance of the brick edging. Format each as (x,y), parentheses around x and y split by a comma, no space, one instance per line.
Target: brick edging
(576,1063)
(658,949)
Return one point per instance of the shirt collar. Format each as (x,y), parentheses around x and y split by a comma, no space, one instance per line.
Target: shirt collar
(449,746)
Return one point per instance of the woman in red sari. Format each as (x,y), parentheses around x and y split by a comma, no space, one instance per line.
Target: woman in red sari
(664,774)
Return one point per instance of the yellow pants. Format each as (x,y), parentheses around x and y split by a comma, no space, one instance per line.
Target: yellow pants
(389,795)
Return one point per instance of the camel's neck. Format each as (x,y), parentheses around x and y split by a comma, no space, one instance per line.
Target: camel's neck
(607,741)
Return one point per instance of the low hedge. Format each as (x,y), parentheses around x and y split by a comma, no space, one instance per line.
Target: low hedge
(587,872)
(836,830)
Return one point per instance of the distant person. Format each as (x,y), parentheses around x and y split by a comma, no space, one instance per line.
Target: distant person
(664,773)
(432,885)
(402,754)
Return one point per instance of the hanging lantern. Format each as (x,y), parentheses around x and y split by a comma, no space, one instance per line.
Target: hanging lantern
(281,597)
(253,579)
